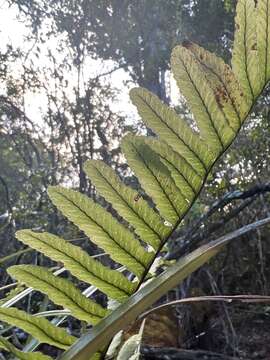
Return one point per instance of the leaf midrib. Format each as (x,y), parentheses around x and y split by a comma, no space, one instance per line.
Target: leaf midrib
(225,87)
(161,187)
(104,230)
(129,207)
(35,325)
(62,291)
(82,265)
(204,104)
(178,136)
(246,51)
(181,174)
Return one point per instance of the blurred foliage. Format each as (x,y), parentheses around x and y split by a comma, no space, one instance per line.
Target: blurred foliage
(139,35)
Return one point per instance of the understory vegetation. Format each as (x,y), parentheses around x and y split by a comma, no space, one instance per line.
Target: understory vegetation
(109,220)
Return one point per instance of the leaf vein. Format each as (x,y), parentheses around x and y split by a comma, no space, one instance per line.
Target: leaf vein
(246,54)
(130,208)
(181,139)
(226,89)
(182,175)
(204,104)
(81,264)
(63,292)
(161,187)
(103,229)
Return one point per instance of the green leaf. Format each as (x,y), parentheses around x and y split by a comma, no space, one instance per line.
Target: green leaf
(263,38)
(172,129)
(79,263)
(192,82)
(182,173)
(60,291)
(245,62)
(151,292)
(228,93)
(128,203)
(39,328)
(154,177)
(180,198)
(131,348)
(6,345)
(102,228)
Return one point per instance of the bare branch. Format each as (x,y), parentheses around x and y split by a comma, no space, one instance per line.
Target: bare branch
(196,234)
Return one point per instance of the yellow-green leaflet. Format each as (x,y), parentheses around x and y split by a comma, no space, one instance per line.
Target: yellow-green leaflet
(40,328)
(245,61)
(263,38)
(102,228)
(60,291)
(171,128)
(5,344)
(224,84)
(128,203)
(187,181)
(154,177)
(192,81)
(79,263)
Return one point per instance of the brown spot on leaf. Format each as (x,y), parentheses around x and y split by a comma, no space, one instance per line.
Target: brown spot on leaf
(187,44)
(137,197)
(254,47)
(221,96)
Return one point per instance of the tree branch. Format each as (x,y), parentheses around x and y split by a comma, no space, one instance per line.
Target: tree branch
(196,234)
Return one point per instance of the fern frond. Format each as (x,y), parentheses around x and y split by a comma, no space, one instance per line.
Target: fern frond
(128,203)
(39,328)
(61,291)
(102,228)
(150,293)
(79,263)
(6,345)
(171,168)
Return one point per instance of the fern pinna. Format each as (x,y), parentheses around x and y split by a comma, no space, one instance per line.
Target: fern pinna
(171,168)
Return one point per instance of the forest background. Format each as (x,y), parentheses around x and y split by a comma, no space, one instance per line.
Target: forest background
(65,71)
